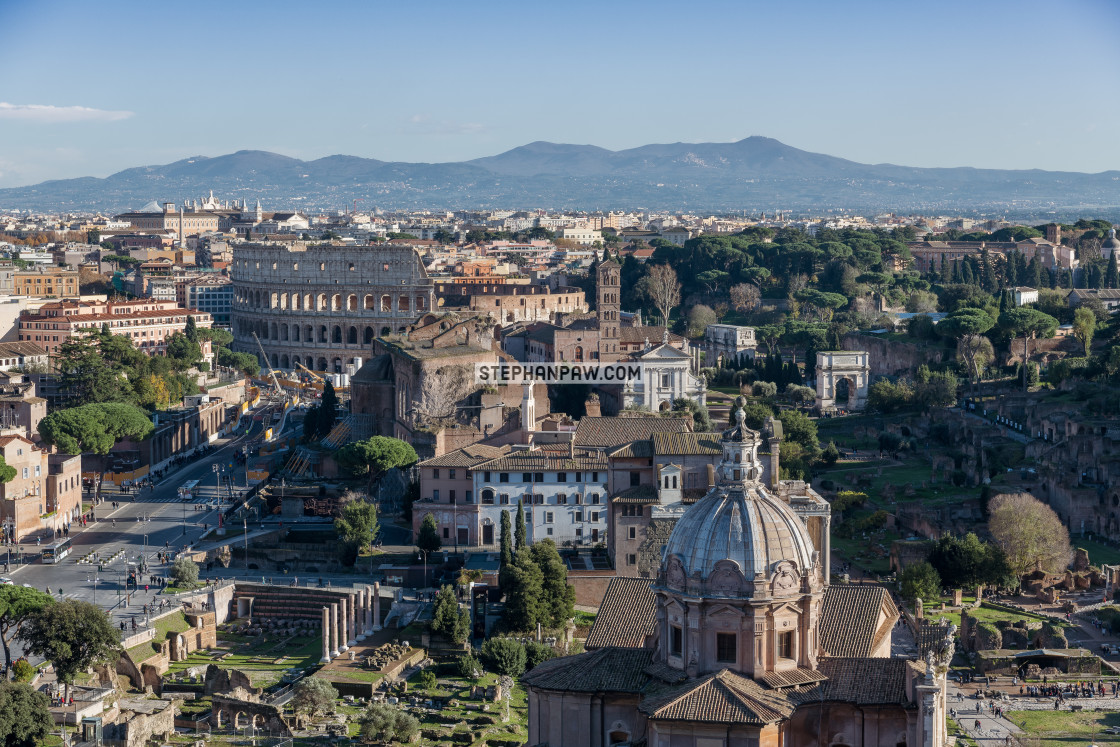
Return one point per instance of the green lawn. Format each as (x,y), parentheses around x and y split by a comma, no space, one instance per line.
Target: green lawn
(913,470)
(1099,553)
(457,687)
(176,623)
(986,614)
(1067,728)
(263,658)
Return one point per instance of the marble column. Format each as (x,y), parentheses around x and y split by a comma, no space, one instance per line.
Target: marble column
(351,620)
(342,626)
(326,636)
(359,617)
(334,629)
(376,606)
(369,610)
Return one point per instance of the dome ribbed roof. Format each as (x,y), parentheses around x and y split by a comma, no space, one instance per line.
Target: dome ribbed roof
(745,525)
(1111,242)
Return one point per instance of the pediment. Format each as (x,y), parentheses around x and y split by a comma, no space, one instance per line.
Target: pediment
(725,610)
(664,352)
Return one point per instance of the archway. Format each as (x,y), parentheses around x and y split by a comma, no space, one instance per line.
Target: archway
(369,335)
(845,391)
(352,336)
(284,362)
(322,365)
(336,334)
(338,365)
(241,720)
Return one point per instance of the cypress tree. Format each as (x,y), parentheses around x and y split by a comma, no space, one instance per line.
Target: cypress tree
(1112,276)
(558,596)
(328,409)
(519,531)
(525,603)
(506,557)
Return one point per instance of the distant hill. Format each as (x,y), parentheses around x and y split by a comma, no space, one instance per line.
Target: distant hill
(753,174)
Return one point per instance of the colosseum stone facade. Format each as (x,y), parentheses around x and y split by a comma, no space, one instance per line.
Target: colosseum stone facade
(321,305)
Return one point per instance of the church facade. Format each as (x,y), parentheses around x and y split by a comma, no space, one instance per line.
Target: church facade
(740,642)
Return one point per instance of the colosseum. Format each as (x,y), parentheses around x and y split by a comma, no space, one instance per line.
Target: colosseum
(321,305)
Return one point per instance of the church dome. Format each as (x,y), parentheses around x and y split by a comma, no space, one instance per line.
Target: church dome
(743,525)
(1110,245)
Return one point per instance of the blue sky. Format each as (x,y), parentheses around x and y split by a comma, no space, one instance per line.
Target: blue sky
(90,88)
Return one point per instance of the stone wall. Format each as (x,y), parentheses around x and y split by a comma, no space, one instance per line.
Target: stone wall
(891,358)
(590,586)
(230,712)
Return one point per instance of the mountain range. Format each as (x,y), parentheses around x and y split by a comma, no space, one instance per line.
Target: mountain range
(753,174)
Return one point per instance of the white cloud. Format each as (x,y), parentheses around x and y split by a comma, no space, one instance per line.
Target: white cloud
(53,114)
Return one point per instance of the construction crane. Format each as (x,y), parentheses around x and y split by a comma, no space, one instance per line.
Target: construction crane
(313,375)
(271,371)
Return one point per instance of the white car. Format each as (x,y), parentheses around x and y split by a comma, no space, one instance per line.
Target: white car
(4,581)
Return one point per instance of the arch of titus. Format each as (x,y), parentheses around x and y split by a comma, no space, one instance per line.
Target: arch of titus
(835,365)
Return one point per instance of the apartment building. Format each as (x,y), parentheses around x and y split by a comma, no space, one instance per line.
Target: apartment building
(147,323)
(46,492)
(46,281)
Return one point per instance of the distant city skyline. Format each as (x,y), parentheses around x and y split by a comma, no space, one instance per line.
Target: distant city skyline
(91,89)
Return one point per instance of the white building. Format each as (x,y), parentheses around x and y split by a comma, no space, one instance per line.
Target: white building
(582,235)
(564,494)
(666,375)
(1024,295)
(728,340)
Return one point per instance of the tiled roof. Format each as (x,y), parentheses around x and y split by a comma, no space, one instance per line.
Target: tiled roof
(722,698)
(850,619)
(615,431)
(626,615)
(634,450)
(604,670)
(680,444)
(792,677)
(540,460)
(638,494)
(21,348)
(860,681)
(468,456)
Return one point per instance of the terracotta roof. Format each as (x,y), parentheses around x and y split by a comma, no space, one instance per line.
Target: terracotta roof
(792,677)
(626,615)
(660,670)
(638,494)
(722,698)
(707,444)
(860,681)
(850,619)
(21,348)
(615,431)
(468,456)
(604,670)
(540,460)
(633,450)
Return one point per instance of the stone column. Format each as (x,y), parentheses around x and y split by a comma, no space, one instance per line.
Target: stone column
(334,629)
(326,636)
(376,606)
(369,610)
(343,625)
(351,621)
(359,617)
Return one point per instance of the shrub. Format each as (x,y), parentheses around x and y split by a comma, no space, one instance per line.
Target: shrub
(384,723)
(469,667)
(426,679)
(504,656)
(22,670)
(535,653)
(846,499)
(184,571)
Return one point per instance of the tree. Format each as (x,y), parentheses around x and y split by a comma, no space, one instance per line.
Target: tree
(535,653)
(17,604)
(191,329)
(184,572)
(699,317)
(525,603)
(328,409)
(505,566)
(94,428)
(504,656)
(968,325)
(448,619)
(1029,532)
(975,352)
(83,374)
(920,581)
(559,597)
(967,561)
(888,396)
(384,723)
(182,351)
(375,455)
(357,524)
(244,362)
(440,393)
(427,539)
(313,695)
(220,338)
(745,297)
(73,636)
(1027,323)
(519,530)
(1084,326)
(469,667)
(664,290)
(25,716)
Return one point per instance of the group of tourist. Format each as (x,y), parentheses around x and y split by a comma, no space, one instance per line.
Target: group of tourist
(1080,689)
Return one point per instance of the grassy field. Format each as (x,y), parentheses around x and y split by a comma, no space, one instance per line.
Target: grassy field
(263,658)
(456,687)
(1099,553)
(911,469)
(1067,728)
(985,614)
(176,623)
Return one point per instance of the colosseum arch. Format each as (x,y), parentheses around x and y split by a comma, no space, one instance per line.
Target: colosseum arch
(336,302)
(284,301)
(402,303)
(385,331)
(275,360)
(322,303)
(386,303)
(368,335)
(352,302)
(275,334)
(370,304)
(283,333)
(336,334)
(284,362)
(421,303)
(322,333)
(338,365)
(308,302)
(352,336)
(322,365)
(272,300)
(402,329)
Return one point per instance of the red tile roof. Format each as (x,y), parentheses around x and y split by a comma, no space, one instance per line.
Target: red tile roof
(626,615)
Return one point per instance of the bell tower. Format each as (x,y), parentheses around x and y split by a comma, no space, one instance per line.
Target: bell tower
(608,306)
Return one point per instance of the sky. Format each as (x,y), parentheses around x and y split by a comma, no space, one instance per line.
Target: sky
(91,88)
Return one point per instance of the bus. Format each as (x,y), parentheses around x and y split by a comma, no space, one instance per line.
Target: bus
(189,490)
(56,552)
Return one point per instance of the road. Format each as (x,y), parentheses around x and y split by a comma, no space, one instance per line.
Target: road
(142,524)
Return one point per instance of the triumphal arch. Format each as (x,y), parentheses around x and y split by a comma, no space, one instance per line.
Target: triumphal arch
(842,379)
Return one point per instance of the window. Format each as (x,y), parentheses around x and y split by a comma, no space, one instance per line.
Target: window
(594,477)
(676,640)
(725,647)
(593,499)
(435,474)
(451,473)
(451,495)
(435,495)
(37,472)
(526,477)
(579,477)
(631,559)
(561,499)
(446,533)
(579,531)
(547,516)
(538,477)
(25,473)
(504,499)
(550,531)
(594,515)
(633,533)
(666,380)
(469,496)
(579,515)
(503,477)
(561,477)
(785,645)
(635,479)
(486,476)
